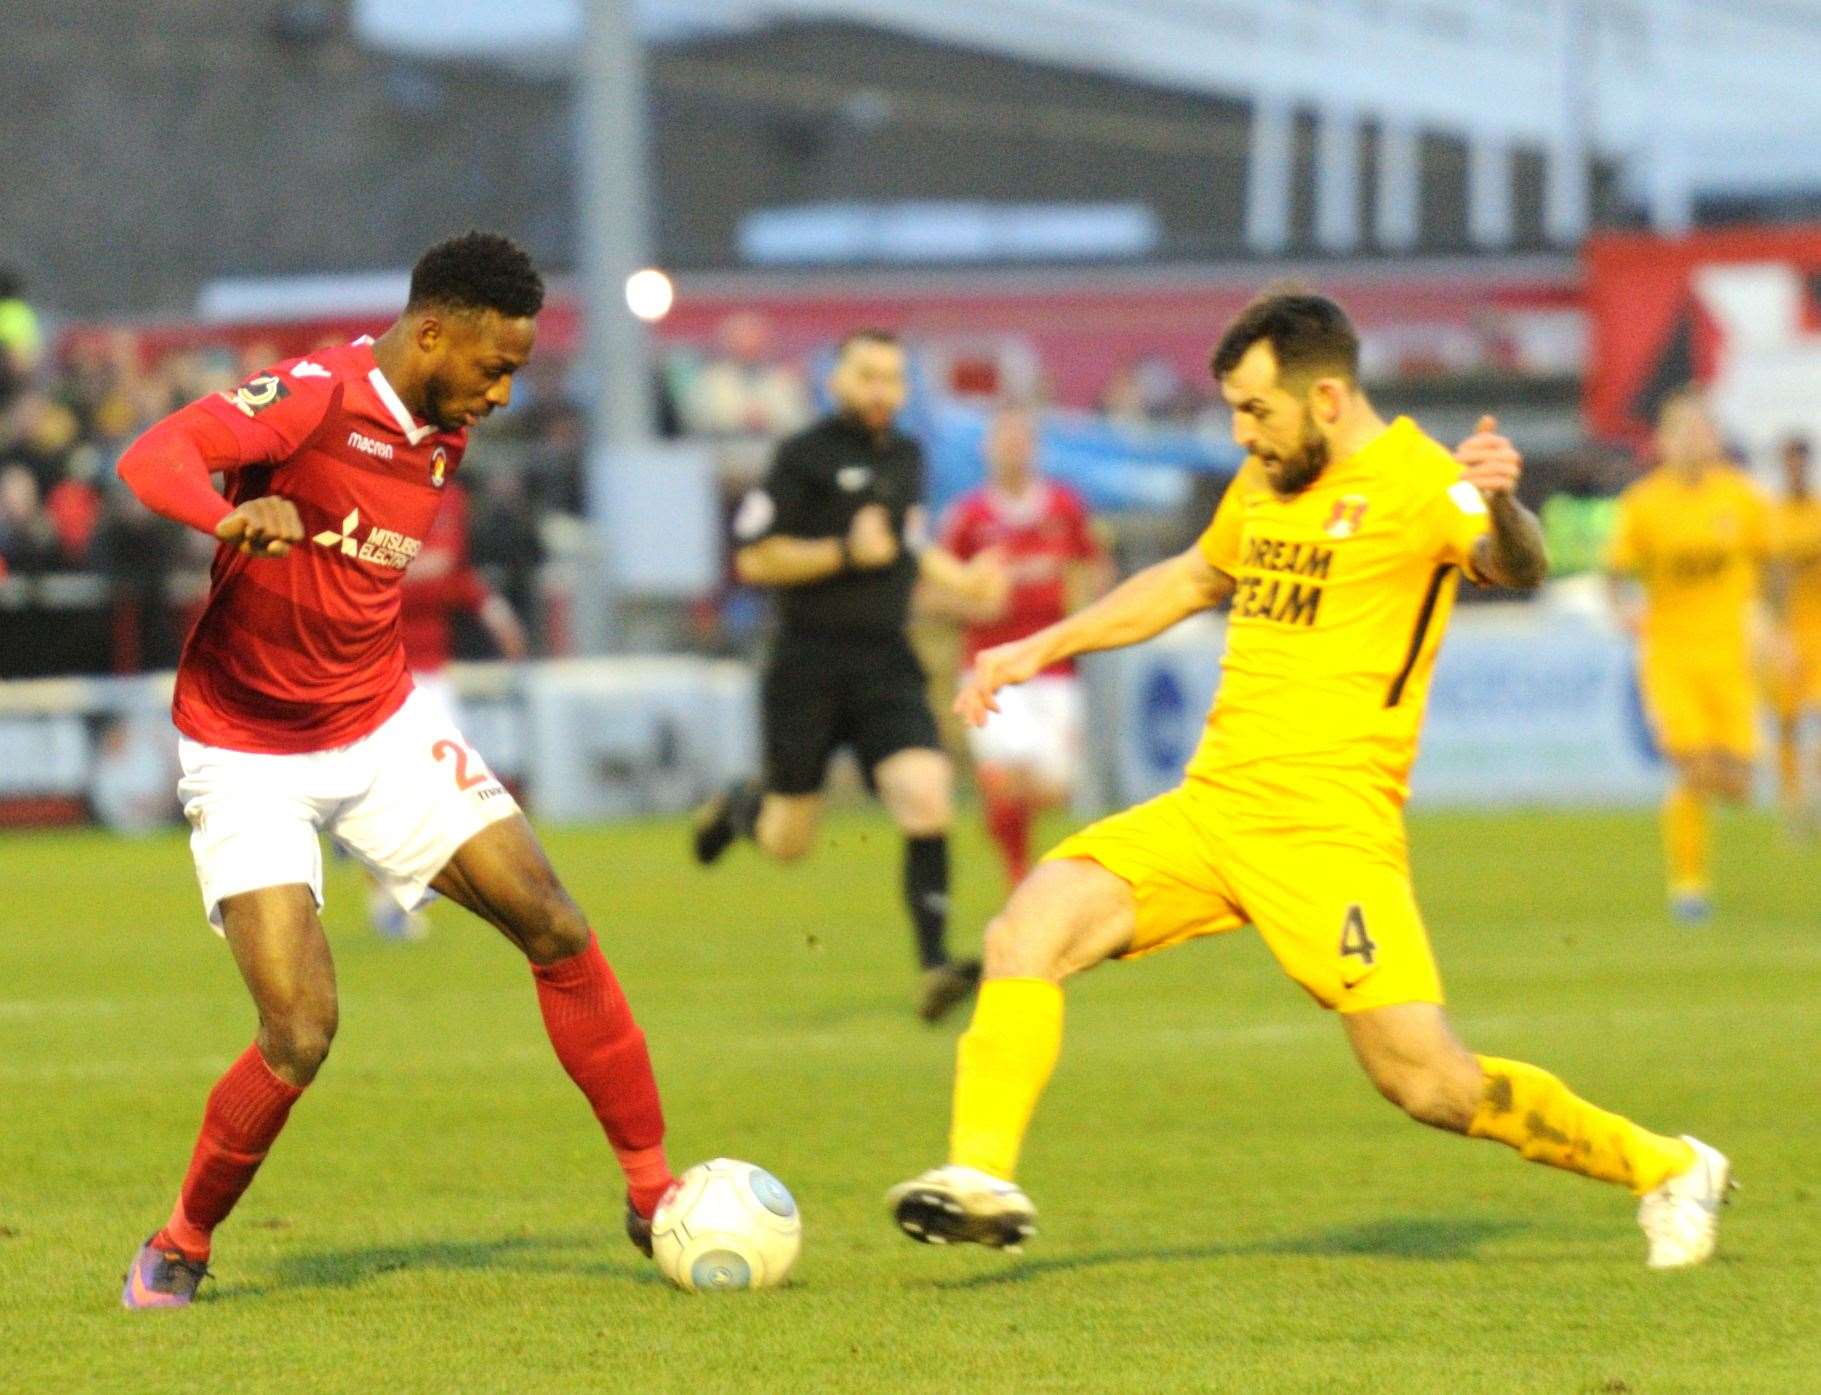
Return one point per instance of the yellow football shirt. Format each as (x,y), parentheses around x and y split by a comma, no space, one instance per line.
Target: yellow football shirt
(1342,595)
(1697,547)
(1797,529)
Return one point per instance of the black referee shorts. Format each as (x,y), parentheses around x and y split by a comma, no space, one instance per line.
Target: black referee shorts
(822,692)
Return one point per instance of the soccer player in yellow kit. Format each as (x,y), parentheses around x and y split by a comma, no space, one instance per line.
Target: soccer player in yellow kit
(1339,545)
(1796,682)
(1695,534)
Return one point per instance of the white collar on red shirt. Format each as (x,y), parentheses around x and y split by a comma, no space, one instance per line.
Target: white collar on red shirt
(415,432)
(1021,510)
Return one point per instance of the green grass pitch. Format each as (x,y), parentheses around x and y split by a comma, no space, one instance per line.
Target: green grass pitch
(1226,1205)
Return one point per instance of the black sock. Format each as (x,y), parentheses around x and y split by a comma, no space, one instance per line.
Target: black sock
(926,894)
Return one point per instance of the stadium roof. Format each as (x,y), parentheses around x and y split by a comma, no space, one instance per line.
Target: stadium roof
(1721,96)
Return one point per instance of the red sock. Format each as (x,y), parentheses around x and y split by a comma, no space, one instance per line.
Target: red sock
(603,1050)
(1008,822)
(246,1109)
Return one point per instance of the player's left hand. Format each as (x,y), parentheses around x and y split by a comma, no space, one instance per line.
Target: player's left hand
(1489,462)
(263,527)
(999,667)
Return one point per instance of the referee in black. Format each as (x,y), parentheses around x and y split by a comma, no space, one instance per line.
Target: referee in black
(838,530)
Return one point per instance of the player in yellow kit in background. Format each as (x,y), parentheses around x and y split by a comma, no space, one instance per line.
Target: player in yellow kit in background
(1694,535)
(1339,545)
(1796,676)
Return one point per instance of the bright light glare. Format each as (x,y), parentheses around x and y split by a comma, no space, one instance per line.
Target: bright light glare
(650,294)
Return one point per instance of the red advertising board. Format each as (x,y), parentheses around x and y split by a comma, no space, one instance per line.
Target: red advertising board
(1733,309)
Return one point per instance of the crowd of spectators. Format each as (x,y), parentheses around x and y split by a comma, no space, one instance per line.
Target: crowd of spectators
(91,581)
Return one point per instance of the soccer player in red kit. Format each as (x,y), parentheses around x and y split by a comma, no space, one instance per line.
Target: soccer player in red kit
(297,714)
(1027,756)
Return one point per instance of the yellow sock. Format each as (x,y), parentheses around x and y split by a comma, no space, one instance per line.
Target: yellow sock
(1002,1063)
(1685,841)
(1530,1110)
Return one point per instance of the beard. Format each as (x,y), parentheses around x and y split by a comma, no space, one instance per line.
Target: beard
(1297,471)
(437,410)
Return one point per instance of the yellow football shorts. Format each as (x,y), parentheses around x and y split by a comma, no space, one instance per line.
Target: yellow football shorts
(1337,911)
(1701,703)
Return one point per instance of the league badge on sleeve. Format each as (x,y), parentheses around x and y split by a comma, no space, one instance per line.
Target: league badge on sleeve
(256,394)
(439,463)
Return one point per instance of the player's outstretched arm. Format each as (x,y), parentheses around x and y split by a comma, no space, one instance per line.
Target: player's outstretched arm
(1513,553)
(1142,606)
(168,469)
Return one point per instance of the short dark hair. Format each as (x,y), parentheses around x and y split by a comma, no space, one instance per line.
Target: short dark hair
(869,335)
(1309,333)
(477,271)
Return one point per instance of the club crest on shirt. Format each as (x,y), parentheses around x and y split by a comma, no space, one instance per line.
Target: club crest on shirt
(439,462)
(854,478)
(256,394)
(1349,511)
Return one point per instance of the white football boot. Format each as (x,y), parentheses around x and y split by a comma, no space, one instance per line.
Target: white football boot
(1681,1218)
(963,1205)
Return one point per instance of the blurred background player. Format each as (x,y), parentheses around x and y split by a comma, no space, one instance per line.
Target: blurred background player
(440,585)
(837,529)
(1026,758)
(1796,668)
(1694,534)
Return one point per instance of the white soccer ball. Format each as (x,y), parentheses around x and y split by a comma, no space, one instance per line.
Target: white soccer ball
(727,1225)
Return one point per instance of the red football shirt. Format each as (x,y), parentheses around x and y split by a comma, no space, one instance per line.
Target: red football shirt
(1039,534)
(303,652)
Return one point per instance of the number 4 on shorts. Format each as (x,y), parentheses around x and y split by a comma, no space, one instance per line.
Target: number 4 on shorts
(1354,939)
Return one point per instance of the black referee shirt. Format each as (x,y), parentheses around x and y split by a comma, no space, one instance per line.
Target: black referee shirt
(820,478)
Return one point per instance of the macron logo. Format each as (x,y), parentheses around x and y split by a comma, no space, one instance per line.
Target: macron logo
(366,445)
(345,538)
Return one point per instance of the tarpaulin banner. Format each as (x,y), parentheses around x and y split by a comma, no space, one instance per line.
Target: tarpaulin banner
(1734,310)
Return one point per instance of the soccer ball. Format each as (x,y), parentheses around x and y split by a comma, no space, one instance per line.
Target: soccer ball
(726,1225)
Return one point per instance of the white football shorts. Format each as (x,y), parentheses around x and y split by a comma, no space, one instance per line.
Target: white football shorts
(438,693)
(400,800)
(1037,728)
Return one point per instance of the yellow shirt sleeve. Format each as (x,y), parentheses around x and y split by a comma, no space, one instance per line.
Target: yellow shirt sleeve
(1457,518)
(1219,542)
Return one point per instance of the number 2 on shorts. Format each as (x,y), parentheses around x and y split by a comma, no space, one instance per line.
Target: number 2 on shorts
(1354,939)
(463,780)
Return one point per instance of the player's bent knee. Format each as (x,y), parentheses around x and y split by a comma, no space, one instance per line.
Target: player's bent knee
(1431,1097)
(1015,949)
(555,929)
(917,787)
(928,819)
(786,843)
(295,1039)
